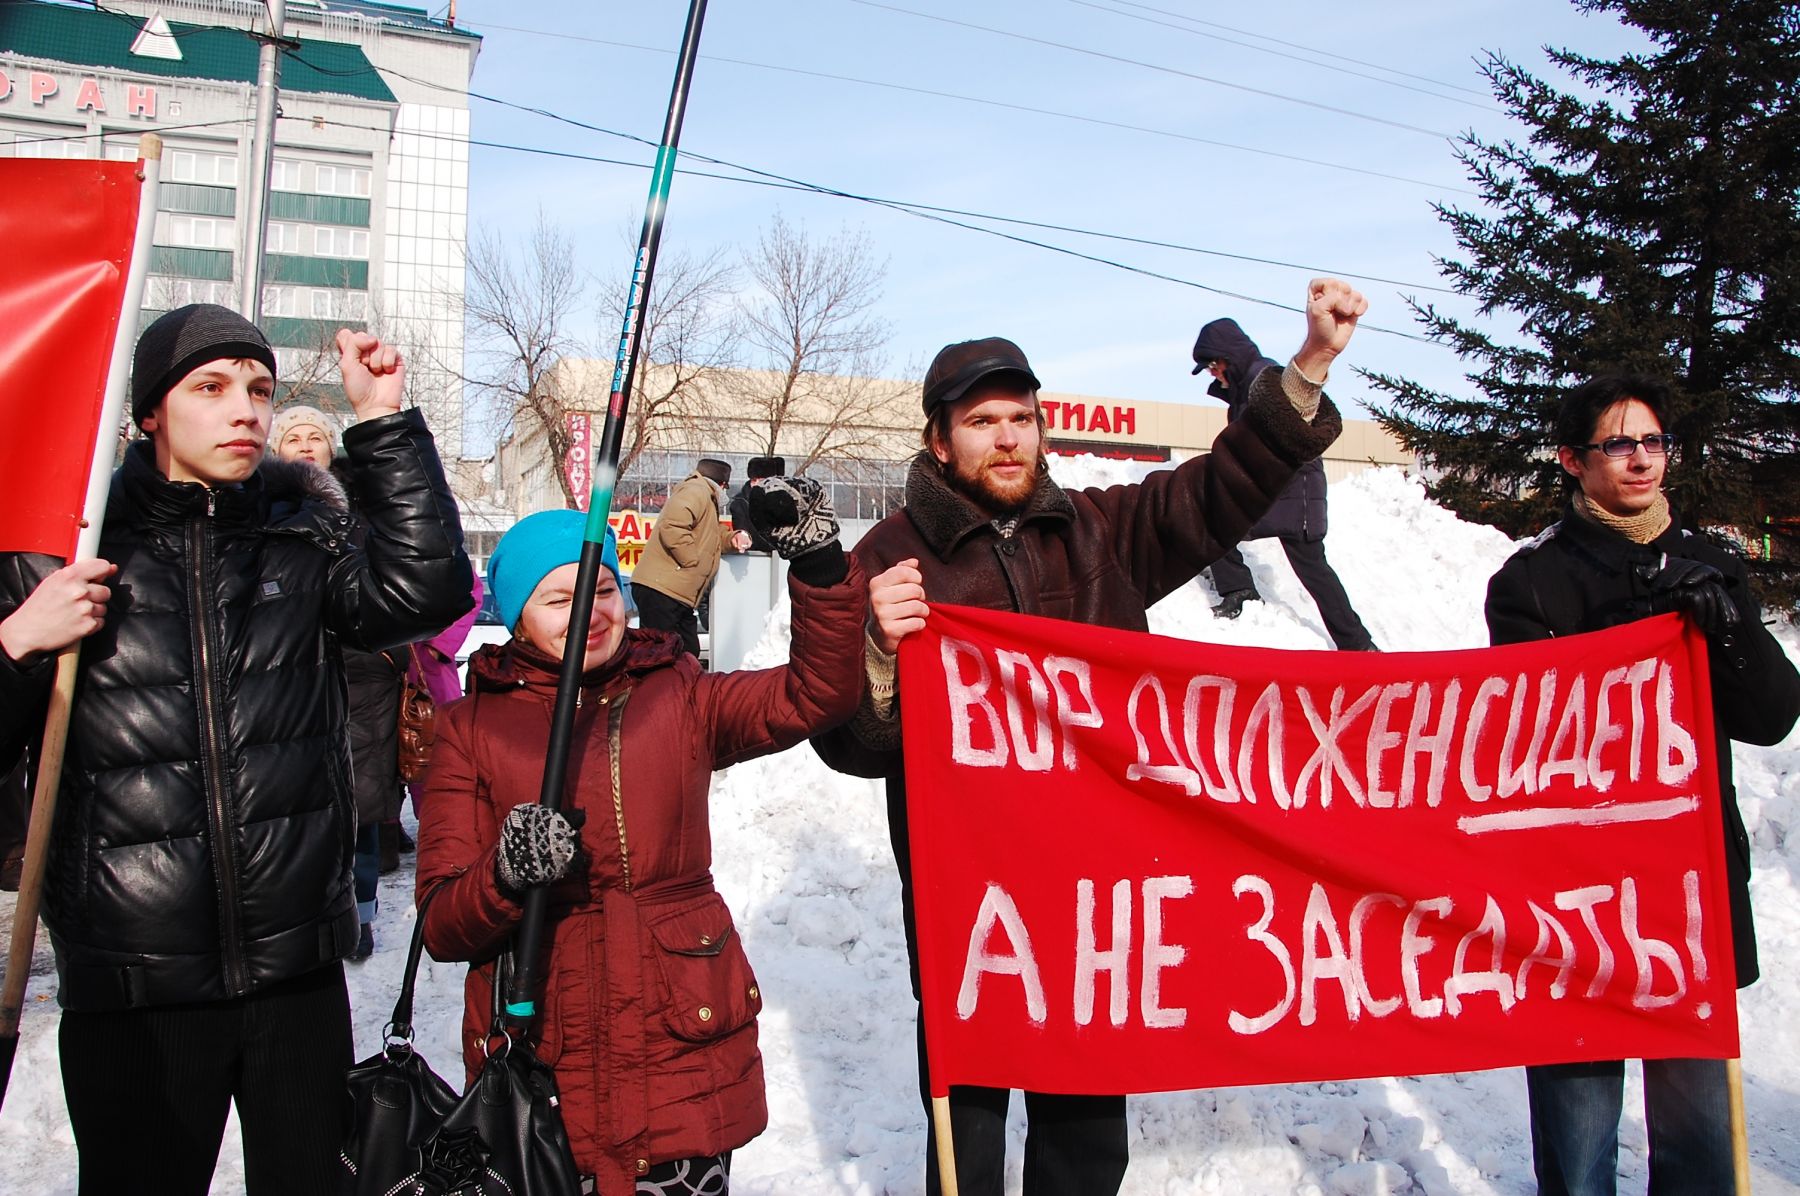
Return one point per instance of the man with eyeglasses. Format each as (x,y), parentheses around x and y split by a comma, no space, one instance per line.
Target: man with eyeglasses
(1619,554)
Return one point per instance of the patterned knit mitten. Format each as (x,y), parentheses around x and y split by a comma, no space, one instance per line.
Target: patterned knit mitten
(794,513)
(537,845)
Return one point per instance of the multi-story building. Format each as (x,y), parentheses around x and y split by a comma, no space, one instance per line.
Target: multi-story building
(368,204)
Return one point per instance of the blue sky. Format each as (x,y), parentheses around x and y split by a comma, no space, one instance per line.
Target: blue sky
(1087,328)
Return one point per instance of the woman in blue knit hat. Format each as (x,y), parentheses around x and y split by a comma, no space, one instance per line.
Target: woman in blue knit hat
(649,1006)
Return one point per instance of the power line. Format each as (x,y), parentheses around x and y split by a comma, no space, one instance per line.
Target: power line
(134,130)
(910,206)
(1309,49)
(890,204)
(993,103)
(1291,57)
(1167,70)
(921,212)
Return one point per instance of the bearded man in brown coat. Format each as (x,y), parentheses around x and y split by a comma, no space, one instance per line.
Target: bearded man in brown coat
(985,526)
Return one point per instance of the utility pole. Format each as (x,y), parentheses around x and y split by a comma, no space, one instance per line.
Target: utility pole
(262,159)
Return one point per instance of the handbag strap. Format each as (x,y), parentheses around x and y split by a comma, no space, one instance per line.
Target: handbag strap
(399,1027)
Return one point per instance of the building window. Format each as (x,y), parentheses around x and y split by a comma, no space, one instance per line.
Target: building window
(25,147)
(281,301)
(121,153)
(167,294)
(283,238)
(330,241)
(340,305)
(284,175)
(343,180)
(197,166)
(199,232)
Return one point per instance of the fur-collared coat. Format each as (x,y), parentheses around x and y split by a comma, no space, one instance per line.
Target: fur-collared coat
(204,827)
(1094,556)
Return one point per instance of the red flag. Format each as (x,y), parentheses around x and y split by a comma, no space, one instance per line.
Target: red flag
(68,229)
(1144,864)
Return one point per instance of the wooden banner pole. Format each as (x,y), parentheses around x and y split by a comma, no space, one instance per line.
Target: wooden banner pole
(946,1148)
(1740,1134)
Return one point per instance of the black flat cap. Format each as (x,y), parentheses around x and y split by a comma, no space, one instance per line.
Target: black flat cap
(959,367)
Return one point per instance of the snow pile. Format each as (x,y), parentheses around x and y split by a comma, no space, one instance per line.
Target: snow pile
(802,856)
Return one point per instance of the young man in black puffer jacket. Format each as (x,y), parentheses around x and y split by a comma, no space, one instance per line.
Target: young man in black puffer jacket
(1618,555)
(199,895)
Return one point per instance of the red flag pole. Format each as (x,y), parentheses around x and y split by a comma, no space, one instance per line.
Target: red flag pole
(87,545)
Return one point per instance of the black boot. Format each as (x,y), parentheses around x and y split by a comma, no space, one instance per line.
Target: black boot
(365,944)
(407,846)
(1231,605)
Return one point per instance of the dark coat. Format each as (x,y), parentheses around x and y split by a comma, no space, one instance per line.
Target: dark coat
(649,1007)
(741,521)
(1092,556)
(1578,576)
(373,721)
(1299,511)
(203,832)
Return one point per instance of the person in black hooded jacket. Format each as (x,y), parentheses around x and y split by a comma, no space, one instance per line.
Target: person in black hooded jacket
(1619,554)
(1298,517)
(199,895)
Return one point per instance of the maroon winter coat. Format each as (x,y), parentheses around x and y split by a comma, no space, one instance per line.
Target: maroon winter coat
(649,1008)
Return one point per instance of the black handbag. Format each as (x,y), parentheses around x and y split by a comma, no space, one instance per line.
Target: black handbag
(411,1135)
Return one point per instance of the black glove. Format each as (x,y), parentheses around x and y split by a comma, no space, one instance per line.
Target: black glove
(537,847)
(794,514)
(1695,589)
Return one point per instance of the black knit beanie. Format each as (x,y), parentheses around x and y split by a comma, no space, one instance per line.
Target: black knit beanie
(186,339)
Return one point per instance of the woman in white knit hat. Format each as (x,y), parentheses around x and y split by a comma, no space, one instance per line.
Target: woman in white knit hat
(304,434)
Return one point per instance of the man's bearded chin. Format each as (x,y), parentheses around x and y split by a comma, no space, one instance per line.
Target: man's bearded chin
(990,493)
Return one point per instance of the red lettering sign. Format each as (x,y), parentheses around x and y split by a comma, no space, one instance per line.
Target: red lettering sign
(88,98)
(633,529)
(42,87)
(1125,421)
(140,100)
(580,463)
(1144,864)
(5,85)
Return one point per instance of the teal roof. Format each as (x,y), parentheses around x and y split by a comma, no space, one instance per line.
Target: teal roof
(94,38)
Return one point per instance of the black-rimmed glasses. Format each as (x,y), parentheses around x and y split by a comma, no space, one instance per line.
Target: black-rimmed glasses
(1656,444)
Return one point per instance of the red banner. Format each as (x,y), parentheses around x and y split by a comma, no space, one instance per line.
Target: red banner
(1144,864)
(67,227)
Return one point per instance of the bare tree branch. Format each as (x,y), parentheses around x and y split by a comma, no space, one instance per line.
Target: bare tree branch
(522,306)
(690,338)
(818,354)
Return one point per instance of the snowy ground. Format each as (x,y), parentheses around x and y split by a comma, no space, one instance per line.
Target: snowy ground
(802,856)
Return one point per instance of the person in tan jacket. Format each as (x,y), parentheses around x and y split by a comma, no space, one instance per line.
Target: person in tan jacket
(682,558)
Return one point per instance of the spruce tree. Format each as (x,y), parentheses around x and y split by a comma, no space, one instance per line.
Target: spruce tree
(1650,224)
